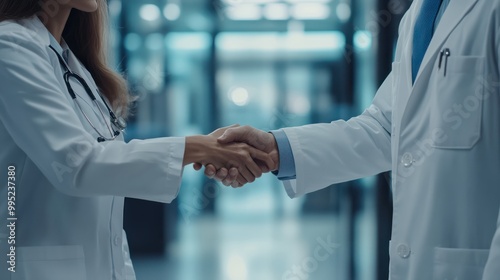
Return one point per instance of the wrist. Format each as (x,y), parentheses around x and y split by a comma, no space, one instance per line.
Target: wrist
(274,152)
(196,149)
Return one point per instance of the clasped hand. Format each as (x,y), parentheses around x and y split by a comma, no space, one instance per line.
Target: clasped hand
(237,155)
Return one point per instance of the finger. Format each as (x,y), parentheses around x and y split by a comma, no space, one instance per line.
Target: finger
(219,132)
(233,126)
(246,174)
(263,157)
(254,168)
(210,171)
(197,166)
(221,174)
(227,182)
(262,166)
(233,175)
(240,181)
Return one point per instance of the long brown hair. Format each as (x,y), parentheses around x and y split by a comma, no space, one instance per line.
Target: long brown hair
(85,34)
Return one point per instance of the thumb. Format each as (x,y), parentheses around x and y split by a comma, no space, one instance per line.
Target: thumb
(229,136)
(233,126)
(235,134)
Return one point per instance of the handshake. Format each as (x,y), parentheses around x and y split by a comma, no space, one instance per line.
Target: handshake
(235,155)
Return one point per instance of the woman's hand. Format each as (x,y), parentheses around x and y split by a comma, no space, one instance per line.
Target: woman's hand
(228,177)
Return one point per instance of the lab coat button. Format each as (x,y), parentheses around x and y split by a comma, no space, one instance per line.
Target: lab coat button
(403,251)
(117,240)
(407,160)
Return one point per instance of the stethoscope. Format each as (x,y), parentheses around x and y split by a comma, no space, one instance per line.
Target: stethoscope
(118,122)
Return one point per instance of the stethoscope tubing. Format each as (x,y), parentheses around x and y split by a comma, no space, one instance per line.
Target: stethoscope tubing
(114,120)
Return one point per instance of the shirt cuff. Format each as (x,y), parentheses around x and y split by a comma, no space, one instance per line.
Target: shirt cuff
(286,170)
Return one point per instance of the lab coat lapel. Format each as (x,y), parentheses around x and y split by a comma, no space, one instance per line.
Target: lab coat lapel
(456,11)
(78,68)
(454,14)
(75,66)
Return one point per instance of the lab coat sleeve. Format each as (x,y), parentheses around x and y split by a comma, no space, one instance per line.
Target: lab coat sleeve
(492,268)
(341,151)
(38,117)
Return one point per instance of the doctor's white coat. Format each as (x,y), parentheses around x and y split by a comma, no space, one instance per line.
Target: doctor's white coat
(441,139)
(70,188)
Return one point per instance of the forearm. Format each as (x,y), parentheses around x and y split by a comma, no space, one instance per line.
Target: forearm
(196,148)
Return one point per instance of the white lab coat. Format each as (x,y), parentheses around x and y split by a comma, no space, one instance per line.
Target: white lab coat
(70,188)
(440,138)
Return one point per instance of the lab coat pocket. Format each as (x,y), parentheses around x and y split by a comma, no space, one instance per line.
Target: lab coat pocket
(50,263)
(459,264)
(457,102)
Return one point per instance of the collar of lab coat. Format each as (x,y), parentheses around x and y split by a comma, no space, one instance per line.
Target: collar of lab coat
(35,24)
(62,49)
(39,32)
(454,14)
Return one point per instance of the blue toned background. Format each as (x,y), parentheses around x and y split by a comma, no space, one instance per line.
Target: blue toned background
(196,65)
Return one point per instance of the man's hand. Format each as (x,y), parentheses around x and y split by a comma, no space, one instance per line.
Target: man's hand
(259,139)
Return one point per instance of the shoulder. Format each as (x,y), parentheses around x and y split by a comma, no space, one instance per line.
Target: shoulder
(19,33)
(23,50)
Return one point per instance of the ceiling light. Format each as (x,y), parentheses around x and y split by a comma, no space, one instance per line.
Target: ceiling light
(172,11)
(149,12)
(311,11)
(276,11)
(244,12)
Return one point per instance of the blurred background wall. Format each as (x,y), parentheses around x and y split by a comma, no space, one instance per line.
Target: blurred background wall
(196,65)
